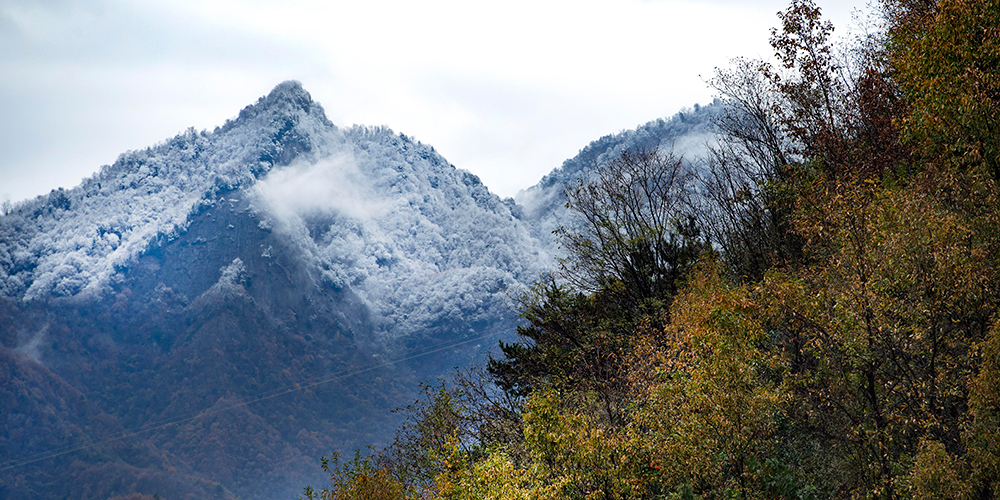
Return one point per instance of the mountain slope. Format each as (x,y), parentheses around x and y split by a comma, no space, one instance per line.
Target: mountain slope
(206,317)
(230,299)
(686,135)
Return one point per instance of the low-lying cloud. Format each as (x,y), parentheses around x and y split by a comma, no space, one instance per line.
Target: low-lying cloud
(332,183)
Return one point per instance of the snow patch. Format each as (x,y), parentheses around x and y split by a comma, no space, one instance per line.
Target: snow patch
(233,275)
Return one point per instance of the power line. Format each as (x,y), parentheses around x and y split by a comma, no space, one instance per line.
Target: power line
(161,424)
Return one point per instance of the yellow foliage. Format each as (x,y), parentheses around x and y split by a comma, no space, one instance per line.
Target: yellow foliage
(885,318)
(709,391)
(493,478)
(570,456)
(938,475)
(983,436)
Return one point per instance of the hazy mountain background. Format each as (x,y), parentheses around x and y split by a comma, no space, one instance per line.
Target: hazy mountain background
(206,317)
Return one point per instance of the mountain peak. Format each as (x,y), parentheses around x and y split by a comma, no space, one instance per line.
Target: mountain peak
(289,88)
(289,95)
(287,100)
(281,125)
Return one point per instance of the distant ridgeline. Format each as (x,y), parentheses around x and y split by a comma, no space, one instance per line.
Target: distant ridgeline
(686,135)
(206,317)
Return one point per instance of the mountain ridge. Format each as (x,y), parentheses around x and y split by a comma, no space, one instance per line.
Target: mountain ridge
(188,277)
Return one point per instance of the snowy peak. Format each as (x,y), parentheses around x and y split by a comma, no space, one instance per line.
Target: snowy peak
(686,135)
(74,240)
(286,98)
(287,101)
(280,127)
(426,245)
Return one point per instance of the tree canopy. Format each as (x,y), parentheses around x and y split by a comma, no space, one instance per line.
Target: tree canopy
(810,311)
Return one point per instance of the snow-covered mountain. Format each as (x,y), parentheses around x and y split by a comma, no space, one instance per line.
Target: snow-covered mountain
(206,317)
(233,263)
(686,134)
(370,210)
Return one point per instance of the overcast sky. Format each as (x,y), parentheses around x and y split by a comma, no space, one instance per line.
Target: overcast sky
(507,90)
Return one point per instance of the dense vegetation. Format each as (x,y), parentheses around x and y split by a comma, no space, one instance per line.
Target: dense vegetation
(811,316)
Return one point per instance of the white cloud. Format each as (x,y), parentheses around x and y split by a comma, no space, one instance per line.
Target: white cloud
(332,183)
(32,348)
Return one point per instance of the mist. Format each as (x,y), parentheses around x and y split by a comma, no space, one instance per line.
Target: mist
(333,183)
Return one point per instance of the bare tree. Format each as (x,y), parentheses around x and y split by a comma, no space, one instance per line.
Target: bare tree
(631,233)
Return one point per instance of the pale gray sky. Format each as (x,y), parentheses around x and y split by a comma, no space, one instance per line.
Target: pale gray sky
(507,90)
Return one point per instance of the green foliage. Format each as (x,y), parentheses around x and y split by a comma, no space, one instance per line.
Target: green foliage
(937,474)
(573,341)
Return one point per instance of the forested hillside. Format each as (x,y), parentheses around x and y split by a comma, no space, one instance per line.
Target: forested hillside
(810,314)
(206,317)
(686,135)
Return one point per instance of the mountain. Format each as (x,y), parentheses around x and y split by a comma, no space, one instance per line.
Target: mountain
(206,317)
(186,281)
(686,135)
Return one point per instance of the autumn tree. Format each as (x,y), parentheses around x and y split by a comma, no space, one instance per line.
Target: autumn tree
(627,255)
(357,478)
(710,397)
(948,62)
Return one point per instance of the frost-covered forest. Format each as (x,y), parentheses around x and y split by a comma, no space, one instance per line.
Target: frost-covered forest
(421,241)
(274,250)
(788,293)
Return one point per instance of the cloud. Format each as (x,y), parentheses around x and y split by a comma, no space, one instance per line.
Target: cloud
(33,347)
(332,183)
